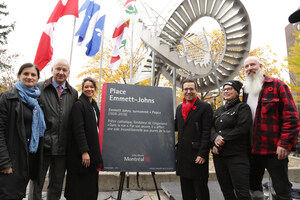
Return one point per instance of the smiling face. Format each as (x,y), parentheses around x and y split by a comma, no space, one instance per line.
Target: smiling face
(29,76)
(251,67)
(88,90)
(60,72)
(189,91)
(229,93)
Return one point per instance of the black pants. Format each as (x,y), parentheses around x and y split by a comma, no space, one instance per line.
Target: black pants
(278,170)
(193,189)
(57,169)
(80,186)
(233,176)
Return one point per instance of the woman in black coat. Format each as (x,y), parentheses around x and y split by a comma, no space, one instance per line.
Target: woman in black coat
(231,143)
(83,153)
(22,127)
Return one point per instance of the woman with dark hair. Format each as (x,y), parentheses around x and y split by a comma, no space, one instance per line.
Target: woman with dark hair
(22,126)
(230,135)
(83,153)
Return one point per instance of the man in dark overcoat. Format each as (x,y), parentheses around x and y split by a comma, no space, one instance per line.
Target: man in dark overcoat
(57,98)
(193,123)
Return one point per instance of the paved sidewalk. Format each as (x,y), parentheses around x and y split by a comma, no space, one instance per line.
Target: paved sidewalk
(147,195)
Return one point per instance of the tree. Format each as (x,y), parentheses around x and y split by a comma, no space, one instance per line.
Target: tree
(121,75)
(6,70)
(216,41)
(5,29)
(7,79)
(271,65)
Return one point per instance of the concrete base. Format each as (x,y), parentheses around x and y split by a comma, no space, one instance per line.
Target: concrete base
(109,181)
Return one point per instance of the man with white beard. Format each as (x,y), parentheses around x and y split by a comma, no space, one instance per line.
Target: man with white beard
(275,128)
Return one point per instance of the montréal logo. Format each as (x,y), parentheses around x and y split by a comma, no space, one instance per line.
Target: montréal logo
(137,158)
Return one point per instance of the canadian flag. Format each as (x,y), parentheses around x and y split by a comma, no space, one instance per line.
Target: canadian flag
(45,50)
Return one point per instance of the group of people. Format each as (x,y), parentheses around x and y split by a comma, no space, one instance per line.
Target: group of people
(245,136)
(43,125)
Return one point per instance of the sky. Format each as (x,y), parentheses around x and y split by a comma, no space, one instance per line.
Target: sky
(268,21)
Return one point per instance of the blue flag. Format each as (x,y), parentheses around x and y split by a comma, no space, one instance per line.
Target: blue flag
(90,31)
(94,45)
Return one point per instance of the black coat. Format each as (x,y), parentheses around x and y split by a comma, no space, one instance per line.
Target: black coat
(234,125)
(193,140)
(57,115)
(14,151)
(84,136)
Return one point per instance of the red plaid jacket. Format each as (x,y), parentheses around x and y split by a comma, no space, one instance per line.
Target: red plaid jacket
(276,120)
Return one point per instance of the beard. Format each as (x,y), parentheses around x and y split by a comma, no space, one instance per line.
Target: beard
(254,83)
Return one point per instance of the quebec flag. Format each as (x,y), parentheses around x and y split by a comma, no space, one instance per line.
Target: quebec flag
(90,31)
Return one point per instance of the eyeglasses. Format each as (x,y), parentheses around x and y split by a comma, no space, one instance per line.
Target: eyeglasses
(227,89)
(189,89)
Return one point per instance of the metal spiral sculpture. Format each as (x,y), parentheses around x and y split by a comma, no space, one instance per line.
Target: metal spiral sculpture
(234,21)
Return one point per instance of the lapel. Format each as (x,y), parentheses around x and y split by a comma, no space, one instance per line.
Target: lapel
(14,96)
(20,125)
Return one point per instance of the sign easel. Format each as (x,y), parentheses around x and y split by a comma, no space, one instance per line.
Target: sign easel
(136,130)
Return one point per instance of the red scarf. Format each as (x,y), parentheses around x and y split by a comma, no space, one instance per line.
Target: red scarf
(186,107)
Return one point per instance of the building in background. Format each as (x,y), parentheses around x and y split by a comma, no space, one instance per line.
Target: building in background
(290,40)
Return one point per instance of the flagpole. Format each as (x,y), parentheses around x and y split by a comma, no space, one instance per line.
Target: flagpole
(100,70)
(71,52)
(131,54)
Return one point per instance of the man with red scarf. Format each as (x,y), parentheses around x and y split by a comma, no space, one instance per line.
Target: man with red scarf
(193,123)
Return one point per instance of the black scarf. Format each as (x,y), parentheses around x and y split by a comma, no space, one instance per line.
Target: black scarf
(231,103)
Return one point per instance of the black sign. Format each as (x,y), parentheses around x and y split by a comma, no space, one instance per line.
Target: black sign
(137,128)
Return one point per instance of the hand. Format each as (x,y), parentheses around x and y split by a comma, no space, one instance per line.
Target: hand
(282,153)
(219,141)
(215,150)
(7,171)
(85,159)
(199,160)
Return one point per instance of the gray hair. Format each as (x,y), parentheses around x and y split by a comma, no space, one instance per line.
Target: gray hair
(253,58)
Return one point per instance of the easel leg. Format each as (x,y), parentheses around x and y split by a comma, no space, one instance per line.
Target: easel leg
(127,181)
(122,174)
(157,192)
